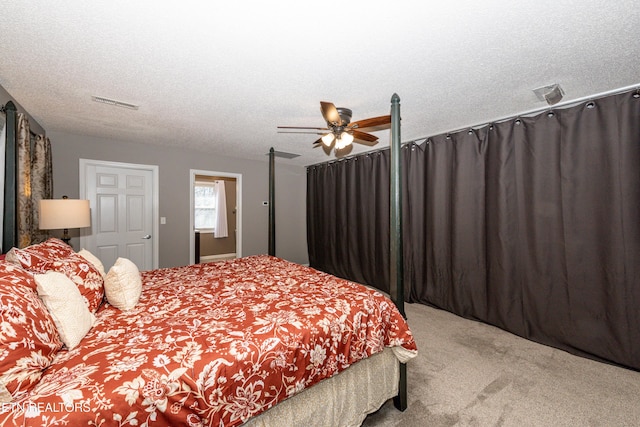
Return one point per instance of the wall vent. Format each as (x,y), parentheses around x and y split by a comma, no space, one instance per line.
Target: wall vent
(114,102)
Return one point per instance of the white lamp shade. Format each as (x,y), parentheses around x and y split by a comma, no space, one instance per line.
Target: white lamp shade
(346,138)
(327,139)
(64,213)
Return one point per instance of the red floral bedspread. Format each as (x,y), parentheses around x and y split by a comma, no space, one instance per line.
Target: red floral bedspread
(213,345)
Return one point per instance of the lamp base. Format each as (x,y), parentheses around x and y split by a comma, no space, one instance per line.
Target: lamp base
(65,236)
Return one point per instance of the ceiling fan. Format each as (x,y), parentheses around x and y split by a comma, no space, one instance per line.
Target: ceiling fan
(340,133)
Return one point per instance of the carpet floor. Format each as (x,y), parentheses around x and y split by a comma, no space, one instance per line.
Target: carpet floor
(468,373)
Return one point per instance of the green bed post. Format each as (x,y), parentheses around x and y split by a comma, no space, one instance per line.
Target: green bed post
(10,225)
(396,269)
(272,204)
(395,229)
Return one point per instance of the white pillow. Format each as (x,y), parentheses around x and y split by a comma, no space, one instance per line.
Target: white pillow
(66,305)
(123,285)
(93,260)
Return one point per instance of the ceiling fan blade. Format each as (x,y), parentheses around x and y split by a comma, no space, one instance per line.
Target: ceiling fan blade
(364,138)
(301,127)
(345,151)
(373,124)
(330,113)
(309,133)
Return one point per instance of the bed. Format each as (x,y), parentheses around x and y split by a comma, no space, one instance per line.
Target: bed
(258,340)
(208,344)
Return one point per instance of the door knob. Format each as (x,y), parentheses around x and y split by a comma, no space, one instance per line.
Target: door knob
(148,236)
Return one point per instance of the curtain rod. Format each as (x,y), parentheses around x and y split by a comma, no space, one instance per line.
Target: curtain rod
(566,104)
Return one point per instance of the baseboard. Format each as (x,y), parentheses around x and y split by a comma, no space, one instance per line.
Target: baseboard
(219,257)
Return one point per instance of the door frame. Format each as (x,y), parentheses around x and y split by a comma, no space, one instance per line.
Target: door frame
(155,199)
(238,228)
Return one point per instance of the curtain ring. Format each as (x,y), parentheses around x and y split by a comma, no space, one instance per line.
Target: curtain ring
(448,136)
(470,132)
(636,95)
(551,113)
(517,121)
(491,126)
(591,104)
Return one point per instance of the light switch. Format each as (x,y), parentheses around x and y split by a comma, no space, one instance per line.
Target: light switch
(163,220)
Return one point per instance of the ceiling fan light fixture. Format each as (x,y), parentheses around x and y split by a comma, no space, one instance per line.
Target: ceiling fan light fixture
(327,139)
(339,132)
(346,138)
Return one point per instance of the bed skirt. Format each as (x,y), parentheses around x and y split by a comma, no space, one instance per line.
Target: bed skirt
(341,401)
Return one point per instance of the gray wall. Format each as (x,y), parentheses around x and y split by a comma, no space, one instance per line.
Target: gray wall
(174,165)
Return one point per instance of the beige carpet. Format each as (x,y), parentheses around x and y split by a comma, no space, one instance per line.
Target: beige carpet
(472,374)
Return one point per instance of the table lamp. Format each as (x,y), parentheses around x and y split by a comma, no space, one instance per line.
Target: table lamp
(65,213)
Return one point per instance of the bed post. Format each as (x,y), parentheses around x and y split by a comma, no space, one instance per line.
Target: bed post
(396,264)
(10,223)
(272,204)
(396,269)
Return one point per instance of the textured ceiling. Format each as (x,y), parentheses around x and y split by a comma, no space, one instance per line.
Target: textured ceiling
(220,76)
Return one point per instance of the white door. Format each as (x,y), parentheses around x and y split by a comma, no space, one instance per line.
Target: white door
(123,210)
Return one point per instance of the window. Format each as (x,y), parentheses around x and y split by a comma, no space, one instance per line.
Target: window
(204,202)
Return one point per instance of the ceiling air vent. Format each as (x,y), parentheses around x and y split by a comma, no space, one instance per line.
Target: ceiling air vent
(285,155)
(552,93)
(114,102)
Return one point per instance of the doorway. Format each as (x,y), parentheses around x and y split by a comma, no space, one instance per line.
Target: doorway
(210,246)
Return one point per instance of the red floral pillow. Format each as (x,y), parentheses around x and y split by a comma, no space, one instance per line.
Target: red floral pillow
(32,257)
(84,274)
(28,337)
(55,255)
(16,275)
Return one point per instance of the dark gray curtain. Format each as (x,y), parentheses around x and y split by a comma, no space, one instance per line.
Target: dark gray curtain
(348,218)
(531,224)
